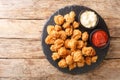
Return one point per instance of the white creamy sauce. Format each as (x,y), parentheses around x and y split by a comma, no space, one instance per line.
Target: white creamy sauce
(88,19)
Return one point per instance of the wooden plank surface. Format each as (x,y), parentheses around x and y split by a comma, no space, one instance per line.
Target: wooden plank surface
(40,69)
(41,9)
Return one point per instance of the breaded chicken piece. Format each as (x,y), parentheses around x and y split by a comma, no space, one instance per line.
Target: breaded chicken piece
(69,31)
(59,19)
(49,39)
(62,35)
(94,59)
(66,25)
(88,60)
(85,36)
(88,51)
(80,44)
(72,44)
(72,66)
(55,56)
(75,24)
(69,59)
(77,56)
(58,28)
(70,17)
(50,28)
(62,51)
(76,34)
(62,63)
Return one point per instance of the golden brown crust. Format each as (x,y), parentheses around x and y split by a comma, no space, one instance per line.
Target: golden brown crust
(85,36)
(75,24)
(59,19)
(88,51)
(69,59)
(55,56)
(76,34)
(62,63)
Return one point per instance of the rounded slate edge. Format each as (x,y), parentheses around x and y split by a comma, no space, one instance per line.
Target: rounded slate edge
(48,53)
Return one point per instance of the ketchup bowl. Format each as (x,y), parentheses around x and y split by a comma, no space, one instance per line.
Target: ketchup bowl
(99,38)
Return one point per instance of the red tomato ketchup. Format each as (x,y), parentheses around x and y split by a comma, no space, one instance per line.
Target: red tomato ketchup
(99,38)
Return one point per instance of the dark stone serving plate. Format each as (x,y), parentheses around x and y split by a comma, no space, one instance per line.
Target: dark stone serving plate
(100,52)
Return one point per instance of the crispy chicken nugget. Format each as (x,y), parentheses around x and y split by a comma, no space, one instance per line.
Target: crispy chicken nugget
(88,60)
(67,43)
(72,44)
(77,56)
(76,34)
(55,56)
(62,51)
(85,36)
(75,24)
(69,31)
(59,19)
(62,35)
(72,14)
(58,28)
(69,18)
(69,59)
(62,63)
(50,28)
(80,44)
(66,25)
(88,51)
(94,59)
(49,40)
(72,66)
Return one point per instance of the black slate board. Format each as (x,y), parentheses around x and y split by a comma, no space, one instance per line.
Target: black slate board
(100,52)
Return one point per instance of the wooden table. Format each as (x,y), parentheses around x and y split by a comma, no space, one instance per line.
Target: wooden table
(21,56)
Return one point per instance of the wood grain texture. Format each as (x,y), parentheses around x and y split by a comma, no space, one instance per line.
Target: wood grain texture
(40,69)
(42,9)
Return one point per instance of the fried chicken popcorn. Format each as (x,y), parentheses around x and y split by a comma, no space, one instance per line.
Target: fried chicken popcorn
(75,24)
(59,19)
(62,35)
(77,56)
(88,51)
(68,44)
(76,34)
(70,17)
(49,39)
(62,51)
(66,25)
(69,59)
(80,44)
(55,56)
(88,60)
(58,28)
(62,63)
(69,31)
(85,36)
(50,28)
(72,44)
(94,59)
(72,66)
